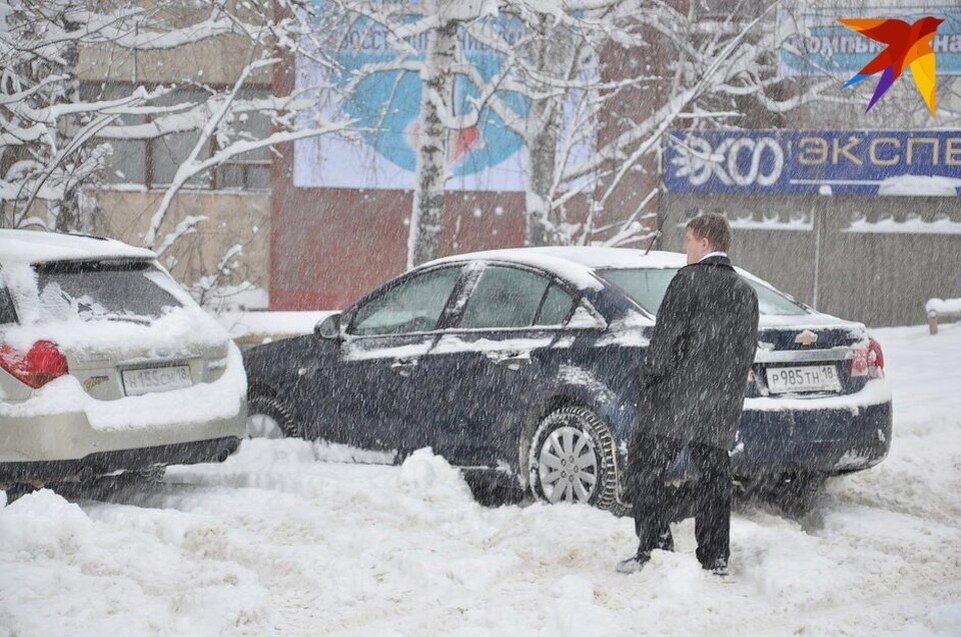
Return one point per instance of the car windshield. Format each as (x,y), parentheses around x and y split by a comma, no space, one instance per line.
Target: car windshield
(647,287)
(104,290)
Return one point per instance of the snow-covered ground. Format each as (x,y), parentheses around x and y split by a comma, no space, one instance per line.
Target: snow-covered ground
(280,540)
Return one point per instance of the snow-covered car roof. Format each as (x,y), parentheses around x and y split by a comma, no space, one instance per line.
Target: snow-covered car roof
(592,257)
(30,246)
(574,263)
(578,263)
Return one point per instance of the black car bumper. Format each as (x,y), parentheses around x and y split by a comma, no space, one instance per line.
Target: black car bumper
(830,441)
(95,464)
(825,441)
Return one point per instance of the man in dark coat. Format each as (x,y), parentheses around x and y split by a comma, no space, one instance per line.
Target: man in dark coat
(692,393)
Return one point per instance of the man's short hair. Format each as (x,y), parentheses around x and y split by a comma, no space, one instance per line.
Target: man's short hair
(714,228)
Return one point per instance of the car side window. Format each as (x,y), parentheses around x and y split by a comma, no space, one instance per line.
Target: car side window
(412,306)
(8,313)
(556,307)
(504,297)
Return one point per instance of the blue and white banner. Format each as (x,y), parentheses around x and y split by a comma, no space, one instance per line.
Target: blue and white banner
(864,162)
(488,156)
(813,42)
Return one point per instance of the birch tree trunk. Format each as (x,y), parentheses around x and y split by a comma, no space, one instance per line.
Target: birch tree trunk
(437,84)
(543,132)
(542,224)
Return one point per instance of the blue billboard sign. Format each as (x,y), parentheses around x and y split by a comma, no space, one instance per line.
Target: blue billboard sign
(385,103)
(813,42)
(863,162)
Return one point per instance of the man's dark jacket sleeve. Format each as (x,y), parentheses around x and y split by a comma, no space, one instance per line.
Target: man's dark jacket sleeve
(670,335)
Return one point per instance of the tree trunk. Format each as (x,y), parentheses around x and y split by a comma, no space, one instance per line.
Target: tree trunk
(423,242)
(542,222)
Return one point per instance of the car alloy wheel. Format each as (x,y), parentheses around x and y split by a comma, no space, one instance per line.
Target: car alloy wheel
(572,458)
(268,417)
(263,426)
(567,466)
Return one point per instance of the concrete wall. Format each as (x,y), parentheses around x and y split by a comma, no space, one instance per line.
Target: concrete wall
(875,277)
(232,219)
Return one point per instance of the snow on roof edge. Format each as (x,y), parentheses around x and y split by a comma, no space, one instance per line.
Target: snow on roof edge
(575,263)
(32,246)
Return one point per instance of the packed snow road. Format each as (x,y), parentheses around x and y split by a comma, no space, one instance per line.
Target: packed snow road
(282,540)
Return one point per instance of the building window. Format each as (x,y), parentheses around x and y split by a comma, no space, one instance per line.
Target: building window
(153,162)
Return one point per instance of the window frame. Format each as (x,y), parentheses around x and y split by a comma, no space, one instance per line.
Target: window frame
(210,180)
(349,316)
(552,279)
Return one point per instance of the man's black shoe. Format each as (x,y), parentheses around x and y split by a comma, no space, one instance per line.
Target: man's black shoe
(666,542)
(633,564)
(717,567)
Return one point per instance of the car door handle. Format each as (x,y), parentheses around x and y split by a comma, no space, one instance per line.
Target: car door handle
(512,360)
(404,366)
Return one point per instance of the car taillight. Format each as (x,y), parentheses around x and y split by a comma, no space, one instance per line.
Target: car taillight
(38,366)
(868,361)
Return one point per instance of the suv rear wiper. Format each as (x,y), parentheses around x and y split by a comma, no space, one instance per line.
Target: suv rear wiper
(131,318)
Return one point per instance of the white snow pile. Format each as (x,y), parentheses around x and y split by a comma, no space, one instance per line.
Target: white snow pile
(284,539)
(914,224)
(919,186)
(430,477)
(943,306)
(112,571)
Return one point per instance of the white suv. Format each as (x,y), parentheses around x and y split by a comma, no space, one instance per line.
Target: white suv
(106,364)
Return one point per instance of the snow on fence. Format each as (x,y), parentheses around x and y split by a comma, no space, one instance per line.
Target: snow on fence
(942,310)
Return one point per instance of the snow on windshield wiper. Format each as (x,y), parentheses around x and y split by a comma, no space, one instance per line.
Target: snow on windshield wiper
(131,318)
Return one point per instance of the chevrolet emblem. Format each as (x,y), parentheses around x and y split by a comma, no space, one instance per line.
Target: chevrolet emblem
(806,338)
(93,381)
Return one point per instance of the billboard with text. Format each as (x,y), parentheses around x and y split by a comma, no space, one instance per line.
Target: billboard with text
(864,162)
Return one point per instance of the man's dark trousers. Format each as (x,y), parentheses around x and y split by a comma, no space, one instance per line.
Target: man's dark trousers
(654,503)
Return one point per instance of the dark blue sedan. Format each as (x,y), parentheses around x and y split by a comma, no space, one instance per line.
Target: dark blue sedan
(525,362)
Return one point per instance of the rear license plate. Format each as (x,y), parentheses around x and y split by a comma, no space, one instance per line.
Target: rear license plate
(799,379)
(155,379)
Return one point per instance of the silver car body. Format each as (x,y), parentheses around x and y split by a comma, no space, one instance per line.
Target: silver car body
(141,389)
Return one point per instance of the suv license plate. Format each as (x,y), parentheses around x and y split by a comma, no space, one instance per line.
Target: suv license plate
(155,379)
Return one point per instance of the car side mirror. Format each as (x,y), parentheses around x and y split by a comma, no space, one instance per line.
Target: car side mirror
(328,329)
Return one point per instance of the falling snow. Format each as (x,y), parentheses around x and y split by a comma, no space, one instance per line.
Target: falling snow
(287,538)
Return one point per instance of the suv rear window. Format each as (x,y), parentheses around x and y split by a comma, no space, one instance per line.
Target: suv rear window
(104,290)
(8,313)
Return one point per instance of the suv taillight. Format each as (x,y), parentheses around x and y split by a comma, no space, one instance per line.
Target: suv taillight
(38,366)
(868,361)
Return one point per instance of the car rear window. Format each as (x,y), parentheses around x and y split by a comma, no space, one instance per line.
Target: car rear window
(647,287)
(8,313)
(104,290)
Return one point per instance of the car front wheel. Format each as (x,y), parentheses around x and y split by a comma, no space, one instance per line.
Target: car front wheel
(573,458)
(268,417)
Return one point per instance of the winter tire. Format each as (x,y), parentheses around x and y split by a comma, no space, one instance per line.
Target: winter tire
(268,417)
(800,494)
(573,458)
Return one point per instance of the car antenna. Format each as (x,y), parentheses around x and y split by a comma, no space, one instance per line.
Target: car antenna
(657,233)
